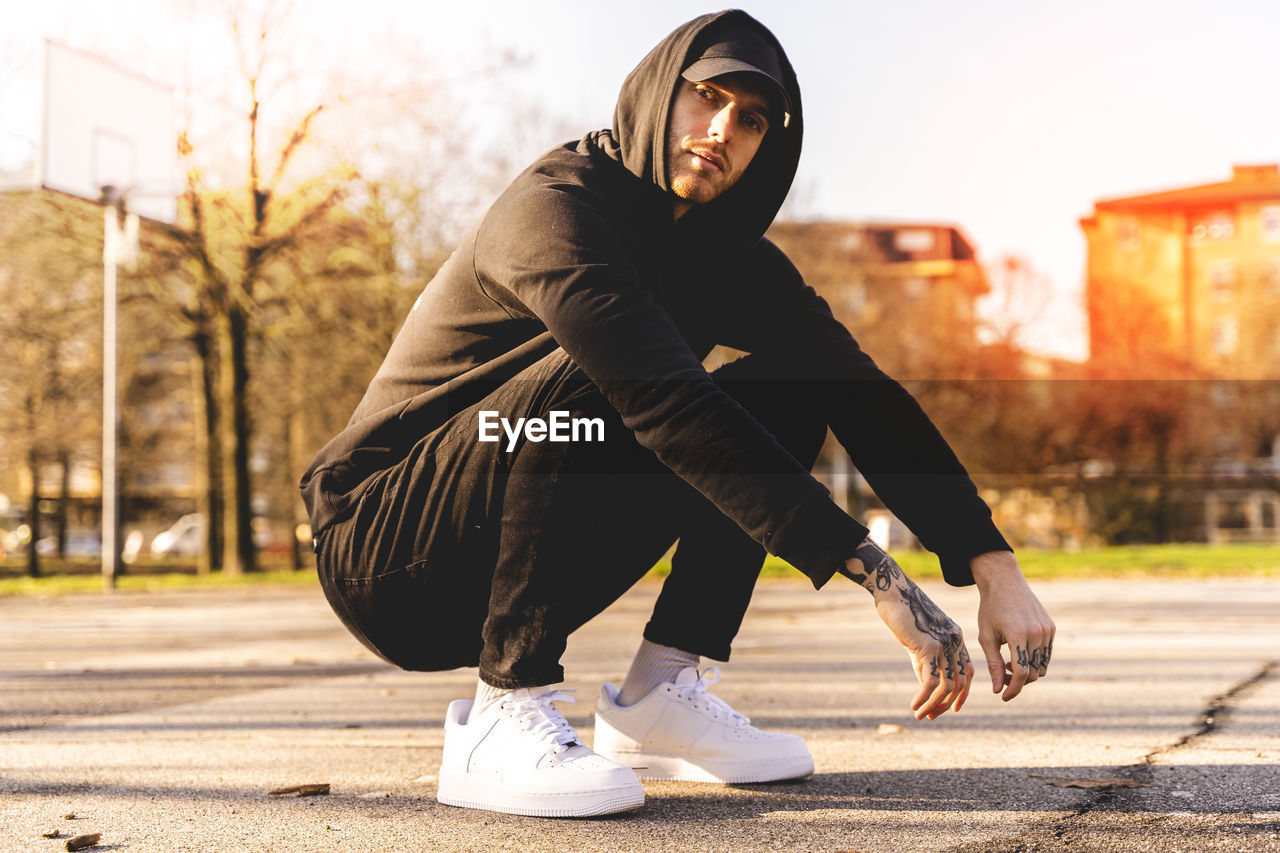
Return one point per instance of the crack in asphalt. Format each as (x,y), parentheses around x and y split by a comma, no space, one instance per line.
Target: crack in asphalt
(1218,705)
(1207,723)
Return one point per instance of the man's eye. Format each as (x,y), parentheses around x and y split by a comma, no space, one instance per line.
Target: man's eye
(705,93)
(753,123)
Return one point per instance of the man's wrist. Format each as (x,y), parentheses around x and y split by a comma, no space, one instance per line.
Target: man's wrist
(995,568)
(870,567)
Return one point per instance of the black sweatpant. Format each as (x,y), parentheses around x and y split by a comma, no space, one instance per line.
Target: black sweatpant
(468,554)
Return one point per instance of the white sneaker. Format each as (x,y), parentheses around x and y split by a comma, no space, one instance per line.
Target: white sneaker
(522,757)
(680,731)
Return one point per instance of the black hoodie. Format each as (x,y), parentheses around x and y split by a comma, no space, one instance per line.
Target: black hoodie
(580,252)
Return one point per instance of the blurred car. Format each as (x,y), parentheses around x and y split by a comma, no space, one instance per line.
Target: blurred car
(77,545)
(186,536)
(17,538)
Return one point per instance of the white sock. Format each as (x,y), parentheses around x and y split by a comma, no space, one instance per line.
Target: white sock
(653,665)
(486,695)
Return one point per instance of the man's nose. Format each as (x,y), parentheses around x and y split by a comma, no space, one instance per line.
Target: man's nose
(722,123)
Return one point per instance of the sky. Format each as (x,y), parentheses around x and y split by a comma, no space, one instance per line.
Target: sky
(1007,119)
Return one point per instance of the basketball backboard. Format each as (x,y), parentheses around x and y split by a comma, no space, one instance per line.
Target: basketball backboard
(21,111)
(97,125)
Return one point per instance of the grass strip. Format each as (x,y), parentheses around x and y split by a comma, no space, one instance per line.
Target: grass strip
(1121,561)
(61,584)
(1190,560)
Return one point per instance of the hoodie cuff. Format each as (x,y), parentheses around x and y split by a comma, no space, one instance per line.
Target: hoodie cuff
(817,538)
(981,538)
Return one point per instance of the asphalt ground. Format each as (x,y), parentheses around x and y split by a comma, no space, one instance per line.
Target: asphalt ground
(162,720)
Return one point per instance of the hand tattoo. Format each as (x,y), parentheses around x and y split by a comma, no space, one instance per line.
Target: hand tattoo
(1035,659)
(932,621)
(887,572)
(879,567)
(1022,655)
(882,574)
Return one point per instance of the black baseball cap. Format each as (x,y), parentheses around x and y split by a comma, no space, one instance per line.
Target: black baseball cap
(743,49)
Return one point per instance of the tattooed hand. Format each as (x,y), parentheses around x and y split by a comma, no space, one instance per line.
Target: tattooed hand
(933,640)
(1010,614)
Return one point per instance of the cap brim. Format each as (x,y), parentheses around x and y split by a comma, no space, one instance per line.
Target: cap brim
(711,67)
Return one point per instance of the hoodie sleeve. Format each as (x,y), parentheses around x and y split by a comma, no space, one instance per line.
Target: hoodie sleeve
(562,258)
(890,439)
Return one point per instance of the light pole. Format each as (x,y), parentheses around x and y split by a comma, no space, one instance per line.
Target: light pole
(117,245)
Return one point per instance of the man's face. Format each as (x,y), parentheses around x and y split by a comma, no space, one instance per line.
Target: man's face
(716,128)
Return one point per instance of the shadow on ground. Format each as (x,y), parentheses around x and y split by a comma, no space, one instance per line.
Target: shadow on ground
(966,790)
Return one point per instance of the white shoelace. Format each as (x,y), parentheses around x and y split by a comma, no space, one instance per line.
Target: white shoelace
(698,695)
(540,717)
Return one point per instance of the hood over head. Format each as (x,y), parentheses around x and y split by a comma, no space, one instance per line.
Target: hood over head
(721,42)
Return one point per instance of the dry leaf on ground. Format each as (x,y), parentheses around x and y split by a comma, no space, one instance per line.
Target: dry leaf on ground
(83,842)
(301,790)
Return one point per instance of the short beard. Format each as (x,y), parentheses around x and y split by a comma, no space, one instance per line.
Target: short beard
(690,190)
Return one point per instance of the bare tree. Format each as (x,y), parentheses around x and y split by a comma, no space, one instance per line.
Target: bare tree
(50,370)
(1019,296)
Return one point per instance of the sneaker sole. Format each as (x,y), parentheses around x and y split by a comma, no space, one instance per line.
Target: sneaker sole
(659,768)
(470,792)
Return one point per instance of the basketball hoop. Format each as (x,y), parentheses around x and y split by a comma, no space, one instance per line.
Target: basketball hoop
(109,136)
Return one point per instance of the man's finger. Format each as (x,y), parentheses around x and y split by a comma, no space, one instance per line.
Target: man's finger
(1045,654)
(1037,653)
(927,673)
(937,701)
(995,661)
(1035,656)
(955,675)
(964,693)
(930,673)
(1020,667)
(964,671)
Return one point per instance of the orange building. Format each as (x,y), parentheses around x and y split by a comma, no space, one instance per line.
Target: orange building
(1188,279)
(907,291)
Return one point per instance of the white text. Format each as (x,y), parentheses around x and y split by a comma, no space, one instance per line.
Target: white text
(557,426)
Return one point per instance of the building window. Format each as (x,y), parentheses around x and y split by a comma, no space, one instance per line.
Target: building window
(1129,233)
(1226,336)
(912,241)
(1271,277)
(1222,280)
(851,242)
(1269,219)
(1220,225)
